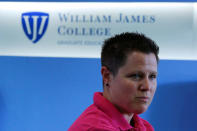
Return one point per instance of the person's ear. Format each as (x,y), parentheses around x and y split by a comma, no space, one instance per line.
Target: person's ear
(106,75)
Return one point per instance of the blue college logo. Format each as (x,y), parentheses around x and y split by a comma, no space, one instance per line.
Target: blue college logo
(35,25)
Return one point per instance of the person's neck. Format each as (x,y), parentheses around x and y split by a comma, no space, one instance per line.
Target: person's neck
(128,117)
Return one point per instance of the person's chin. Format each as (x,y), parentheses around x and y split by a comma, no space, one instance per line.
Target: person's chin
(140,110)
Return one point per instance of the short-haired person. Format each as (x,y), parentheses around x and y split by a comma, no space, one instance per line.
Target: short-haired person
(129,72)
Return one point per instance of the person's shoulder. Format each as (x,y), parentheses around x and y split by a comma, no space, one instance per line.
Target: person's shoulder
(94,113)
(101,129)
(92,128)
(93,119)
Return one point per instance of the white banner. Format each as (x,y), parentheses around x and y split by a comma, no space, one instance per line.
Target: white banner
(78,29)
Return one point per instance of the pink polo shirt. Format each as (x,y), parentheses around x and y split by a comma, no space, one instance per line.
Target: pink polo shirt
(103,116)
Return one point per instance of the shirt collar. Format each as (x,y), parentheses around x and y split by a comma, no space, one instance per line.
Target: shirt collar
(106,106)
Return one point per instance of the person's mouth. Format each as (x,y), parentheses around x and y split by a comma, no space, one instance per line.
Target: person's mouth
(142,99)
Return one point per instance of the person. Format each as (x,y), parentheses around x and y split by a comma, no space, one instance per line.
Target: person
(129,72)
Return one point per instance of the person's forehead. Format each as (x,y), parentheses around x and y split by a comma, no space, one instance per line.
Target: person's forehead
(138,54)
(140,58)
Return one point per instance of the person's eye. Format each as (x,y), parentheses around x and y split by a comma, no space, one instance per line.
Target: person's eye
(136,76)
(153,76)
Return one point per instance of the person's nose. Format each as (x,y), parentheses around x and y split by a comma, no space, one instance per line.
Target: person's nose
(146,84)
